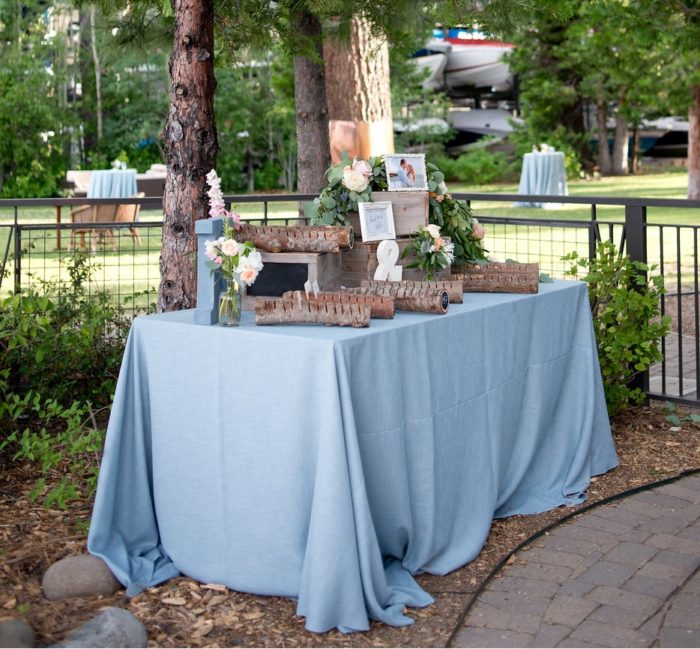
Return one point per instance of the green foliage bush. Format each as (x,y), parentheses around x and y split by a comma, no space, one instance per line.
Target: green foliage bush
(626,317)
(59,360)
(478,167)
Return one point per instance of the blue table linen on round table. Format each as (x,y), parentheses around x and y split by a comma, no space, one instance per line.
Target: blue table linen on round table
(543,174)
(329,465)
(112,183)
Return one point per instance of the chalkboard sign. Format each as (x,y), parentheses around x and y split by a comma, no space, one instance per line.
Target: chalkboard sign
(274,279)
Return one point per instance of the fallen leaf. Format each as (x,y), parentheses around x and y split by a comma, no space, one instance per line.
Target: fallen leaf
(203,630)
(253,615)
(220,587)
(217,599)
(510,560)
(174,601)
(10,603)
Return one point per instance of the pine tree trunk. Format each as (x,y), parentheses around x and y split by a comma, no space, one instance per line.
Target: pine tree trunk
(190,148)
(359,93)
(694,144)
(603,149)
(634,160)
(313,150)
(98,74)
(621,147)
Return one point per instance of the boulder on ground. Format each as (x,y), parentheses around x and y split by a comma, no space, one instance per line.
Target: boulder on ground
(112,627)
(16,633)
(79,576)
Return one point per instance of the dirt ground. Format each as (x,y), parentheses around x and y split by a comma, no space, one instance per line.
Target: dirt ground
(183,612)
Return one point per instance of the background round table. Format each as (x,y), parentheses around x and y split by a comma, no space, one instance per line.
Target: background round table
(111,183)
(543,174)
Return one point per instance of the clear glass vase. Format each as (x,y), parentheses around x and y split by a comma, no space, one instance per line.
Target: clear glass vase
(231,304)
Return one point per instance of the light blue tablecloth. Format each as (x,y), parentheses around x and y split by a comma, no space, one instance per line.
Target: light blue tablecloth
(330,464)
(112,183)
(543,174)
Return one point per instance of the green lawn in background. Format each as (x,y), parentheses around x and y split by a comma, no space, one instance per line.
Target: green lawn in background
(133,269)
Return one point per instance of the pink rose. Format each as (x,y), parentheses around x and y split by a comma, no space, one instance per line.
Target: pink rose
(363,167)
(439,243)
(478,232)
(248,275)
(218,260)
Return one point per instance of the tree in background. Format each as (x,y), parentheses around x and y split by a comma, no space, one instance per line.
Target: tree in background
(190,143)
(33,112)
(358,89)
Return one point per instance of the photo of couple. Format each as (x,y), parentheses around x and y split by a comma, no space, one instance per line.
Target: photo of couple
(406,172)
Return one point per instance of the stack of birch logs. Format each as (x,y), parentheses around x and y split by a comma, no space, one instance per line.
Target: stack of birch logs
(356,306)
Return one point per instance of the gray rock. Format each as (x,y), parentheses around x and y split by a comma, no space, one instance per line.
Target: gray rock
(79,576)
(113,627)
(16,633)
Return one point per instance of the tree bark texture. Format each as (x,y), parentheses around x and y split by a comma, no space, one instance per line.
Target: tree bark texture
(358,88)
(409,299)
(306,238)
(271,312)
(453,287)
(601,114)
(381,306)
(694,144)
(190,149)
(313,148)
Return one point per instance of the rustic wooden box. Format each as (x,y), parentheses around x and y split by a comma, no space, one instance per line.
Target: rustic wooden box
(410,210)
(360,263)
(288,271)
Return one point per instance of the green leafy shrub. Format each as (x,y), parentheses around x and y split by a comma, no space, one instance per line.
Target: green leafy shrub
(626,318)
(478,167)
(59,360)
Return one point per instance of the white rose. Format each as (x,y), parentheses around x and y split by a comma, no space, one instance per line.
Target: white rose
(211,249)
(230,247)
(354,180)
(252,260)
(433,230)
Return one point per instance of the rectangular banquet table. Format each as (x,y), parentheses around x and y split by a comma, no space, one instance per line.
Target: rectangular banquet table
(330,465)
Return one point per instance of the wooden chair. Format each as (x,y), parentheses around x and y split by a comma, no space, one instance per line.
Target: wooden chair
(90,214)
(129,214)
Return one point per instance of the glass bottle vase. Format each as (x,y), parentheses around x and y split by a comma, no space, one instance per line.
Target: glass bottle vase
(231,303)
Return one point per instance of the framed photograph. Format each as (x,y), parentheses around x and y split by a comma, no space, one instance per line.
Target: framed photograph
(376,221)
(406,172)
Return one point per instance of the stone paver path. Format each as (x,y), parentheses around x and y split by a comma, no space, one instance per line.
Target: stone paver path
(621,575)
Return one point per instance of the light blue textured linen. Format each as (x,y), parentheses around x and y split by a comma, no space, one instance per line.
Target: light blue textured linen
(112,183)
(543,174)
(329,464)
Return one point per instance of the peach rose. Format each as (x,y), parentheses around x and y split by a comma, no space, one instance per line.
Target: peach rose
(478,231)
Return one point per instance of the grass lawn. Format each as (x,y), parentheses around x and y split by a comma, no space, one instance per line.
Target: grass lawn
(131,272)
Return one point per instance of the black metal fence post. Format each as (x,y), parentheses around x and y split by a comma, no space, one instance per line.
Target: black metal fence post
(636,239)
(18,258)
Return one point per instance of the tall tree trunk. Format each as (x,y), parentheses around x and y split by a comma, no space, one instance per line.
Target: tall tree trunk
(694,144)
(190,150)
(313,150)
(358,88)
(634,161)
(98,74)
(601,114)
(87,136)
(621,147)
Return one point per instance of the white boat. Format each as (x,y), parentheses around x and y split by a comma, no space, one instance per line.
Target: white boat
(471,60)
(482,121)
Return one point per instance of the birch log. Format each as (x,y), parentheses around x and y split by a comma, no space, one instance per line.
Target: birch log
(282,311)
(453,287)
(305,238)
(410,299)
(381,306)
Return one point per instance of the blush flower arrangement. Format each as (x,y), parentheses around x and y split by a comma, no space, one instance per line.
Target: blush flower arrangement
(238,263)
(433,251)
(353,181)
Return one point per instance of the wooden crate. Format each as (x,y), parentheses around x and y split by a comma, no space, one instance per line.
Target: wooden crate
(410,210)
(288,271)
(360,263)
(497,277)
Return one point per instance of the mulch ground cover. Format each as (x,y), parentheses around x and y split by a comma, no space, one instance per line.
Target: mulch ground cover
(183,612)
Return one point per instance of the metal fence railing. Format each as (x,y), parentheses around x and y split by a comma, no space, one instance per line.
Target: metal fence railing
(35,249)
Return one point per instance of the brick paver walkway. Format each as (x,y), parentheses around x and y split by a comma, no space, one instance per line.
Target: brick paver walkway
(621,575)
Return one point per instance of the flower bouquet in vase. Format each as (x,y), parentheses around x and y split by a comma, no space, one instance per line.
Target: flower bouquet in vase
(238,263)
(433,251)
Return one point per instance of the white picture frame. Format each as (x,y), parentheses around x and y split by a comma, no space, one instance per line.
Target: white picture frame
(376,220)
(406,172)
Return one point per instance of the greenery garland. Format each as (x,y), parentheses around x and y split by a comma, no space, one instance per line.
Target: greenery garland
(346,188)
